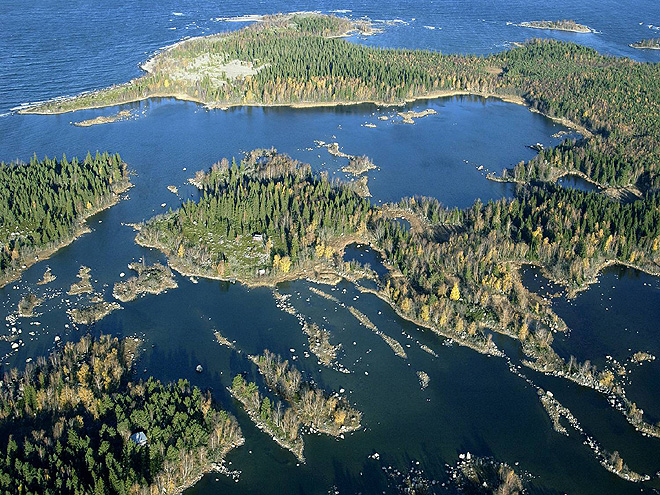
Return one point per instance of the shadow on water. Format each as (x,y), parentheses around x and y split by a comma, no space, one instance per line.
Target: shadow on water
(578,183)
(366,256)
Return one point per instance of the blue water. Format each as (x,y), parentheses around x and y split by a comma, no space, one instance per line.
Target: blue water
(577,182)
(54,47)
(473,403)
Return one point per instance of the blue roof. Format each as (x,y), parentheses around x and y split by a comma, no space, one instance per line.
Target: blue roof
(139,438)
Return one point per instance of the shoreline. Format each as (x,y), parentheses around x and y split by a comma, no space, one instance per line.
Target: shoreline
(633,45)
(309,275)
(46,252)
(613,192)
(214,466)
(217,105)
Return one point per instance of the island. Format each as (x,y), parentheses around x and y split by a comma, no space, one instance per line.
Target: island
(97,310)
(647,44)
(44,204)
(121,115)
(358,165)
(258,246)
(27,305)
(152,279)
(308,405)
(563,25)
(84,284)
(47,278)
(408,117)
(319,343)
(78,422)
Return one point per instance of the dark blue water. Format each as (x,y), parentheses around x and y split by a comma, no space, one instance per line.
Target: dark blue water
(366,256)
(473,403)
(577,182)
(55,47)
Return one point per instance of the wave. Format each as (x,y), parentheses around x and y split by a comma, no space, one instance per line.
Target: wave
(341,11)
(241,18)
(392,22)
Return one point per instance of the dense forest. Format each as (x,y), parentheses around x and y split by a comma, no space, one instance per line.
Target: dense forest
(270,213)
(299,59)
(66,424)
(616,98)
(44,203)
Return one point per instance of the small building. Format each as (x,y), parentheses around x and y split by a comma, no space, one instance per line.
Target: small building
(258,237)
(262,272)
(139,438)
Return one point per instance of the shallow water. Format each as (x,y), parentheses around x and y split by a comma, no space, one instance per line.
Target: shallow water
(473,403)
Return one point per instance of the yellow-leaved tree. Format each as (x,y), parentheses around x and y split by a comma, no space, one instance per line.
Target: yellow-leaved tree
(285,264)
(455,294)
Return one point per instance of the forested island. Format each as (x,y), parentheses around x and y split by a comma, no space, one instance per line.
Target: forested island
(308,405)
(77,422)
(266,220)
(44,203)
(563,25)
(647,44)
